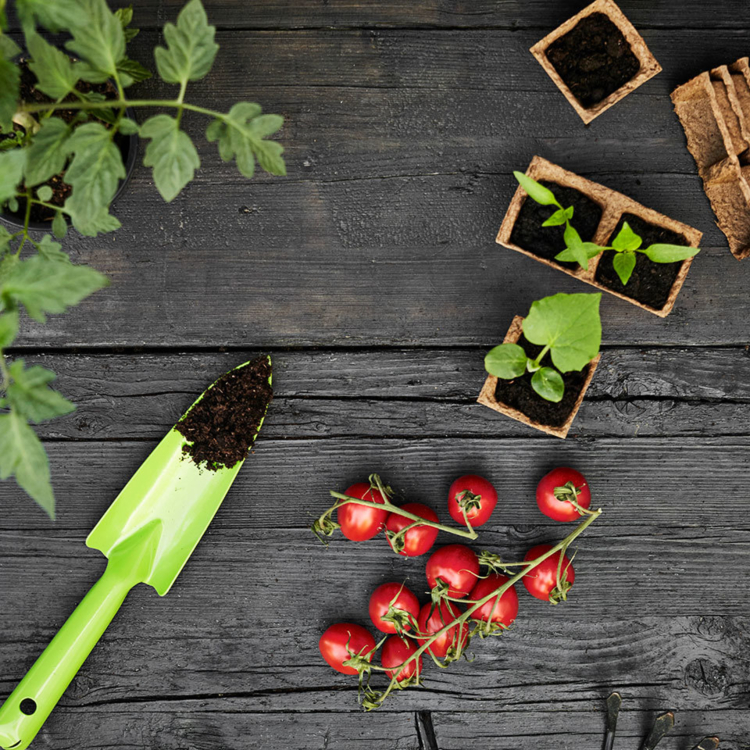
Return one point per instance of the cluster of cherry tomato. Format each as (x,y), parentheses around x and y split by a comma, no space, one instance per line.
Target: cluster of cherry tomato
(441,628)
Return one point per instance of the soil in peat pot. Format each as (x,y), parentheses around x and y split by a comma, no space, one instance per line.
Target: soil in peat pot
(60,189)
(546,242)
(651,282)
(594,59)
(519,394)
(221,428)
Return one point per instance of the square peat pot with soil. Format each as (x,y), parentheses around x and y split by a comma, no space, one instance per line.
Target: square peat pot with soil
(599,214)
(518,400)
(596,58)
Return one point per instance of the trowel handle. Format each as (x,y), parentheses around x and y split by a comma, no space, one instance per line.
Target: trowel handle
(28,707)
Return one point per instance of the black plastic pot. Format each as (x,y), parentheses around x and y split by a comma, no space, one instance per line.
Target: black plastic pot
(128,145)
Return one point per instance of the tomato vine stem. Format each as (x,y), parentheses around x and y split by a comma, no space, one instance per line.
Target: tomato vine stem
(374,699)
(391,508)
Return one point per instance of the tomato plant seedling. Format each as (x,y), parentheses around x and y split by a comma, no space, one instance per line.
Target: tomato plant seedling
(625,245)
(72,136)
(568,328)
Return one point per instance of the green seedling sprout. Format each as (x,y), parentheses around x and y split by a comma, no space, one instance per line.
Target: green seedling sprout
(569,329)
(625,245)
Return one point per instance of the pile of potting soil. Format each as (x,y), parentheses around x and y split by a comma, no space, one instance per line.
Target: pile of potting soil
(221,428)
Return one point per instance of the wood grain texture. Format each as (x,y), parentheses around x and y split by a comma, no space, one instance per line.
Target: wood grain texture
(654,479)
(504,14)
(400,393)
(383,231)
(372,276)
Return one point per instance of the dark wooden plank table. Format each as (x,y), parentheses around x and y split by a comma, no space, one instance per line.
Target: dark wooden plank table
(371,275)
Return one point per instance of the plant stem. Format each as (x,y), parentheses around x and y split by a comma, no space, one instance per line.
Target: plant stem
(4,372)
(387,505)
(121,104)
(536,363)
(26,220)
(458,621)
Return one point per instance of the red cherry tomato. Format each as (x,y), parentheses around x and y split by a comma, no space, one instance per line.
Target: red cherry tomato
(418,540)
(360,522)
(457,565)
(541,581)
(334,642)
(555,487)
(500,609)
(431,624)
(477,495)
(396,651)
(402,599)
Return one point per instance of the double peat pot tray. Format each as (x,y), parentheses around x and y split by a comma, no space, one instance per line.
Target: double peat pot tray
(598,215)
(714,110)
(518,400)
(596,58)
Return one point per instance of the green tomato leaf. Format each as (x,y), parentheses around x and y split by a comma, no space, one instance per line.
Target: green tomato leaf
(8,328)
(22,455)
(5,237)
(535,191)
(191,48)
(94,172)
(171,153)
(548,383)
(128,126)
(591,249)
(241,137)
(90,224)
(30,395)
(626,239)
(52,250)
(44,193)
(132,71)
(8,48)
(570,325)
(506,361)
(125,17)
(48,286)
(55,16)
(557,218)
(59,225)
(624,263)
(53,69)
(11,172)
(88,73)
(98,36)
(662,253)
(574,243)
(10,81)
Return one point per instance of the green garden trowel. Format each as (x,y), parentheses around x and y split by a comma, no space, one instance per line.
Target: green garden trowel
(147,534)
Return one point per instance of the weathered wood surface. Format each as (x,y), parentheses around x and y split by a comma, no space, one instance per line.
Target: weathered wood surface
(372,276)
(401,393)
(496,14)
(400,145)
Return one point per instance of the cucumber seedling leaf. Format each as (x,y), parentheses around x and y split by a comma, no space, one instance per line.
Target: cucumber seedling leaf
(569,325)
(506,361)
(548,383)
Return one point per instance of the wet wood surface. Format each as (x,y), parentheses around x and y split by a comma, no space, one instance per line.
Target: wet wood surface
(371,275)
